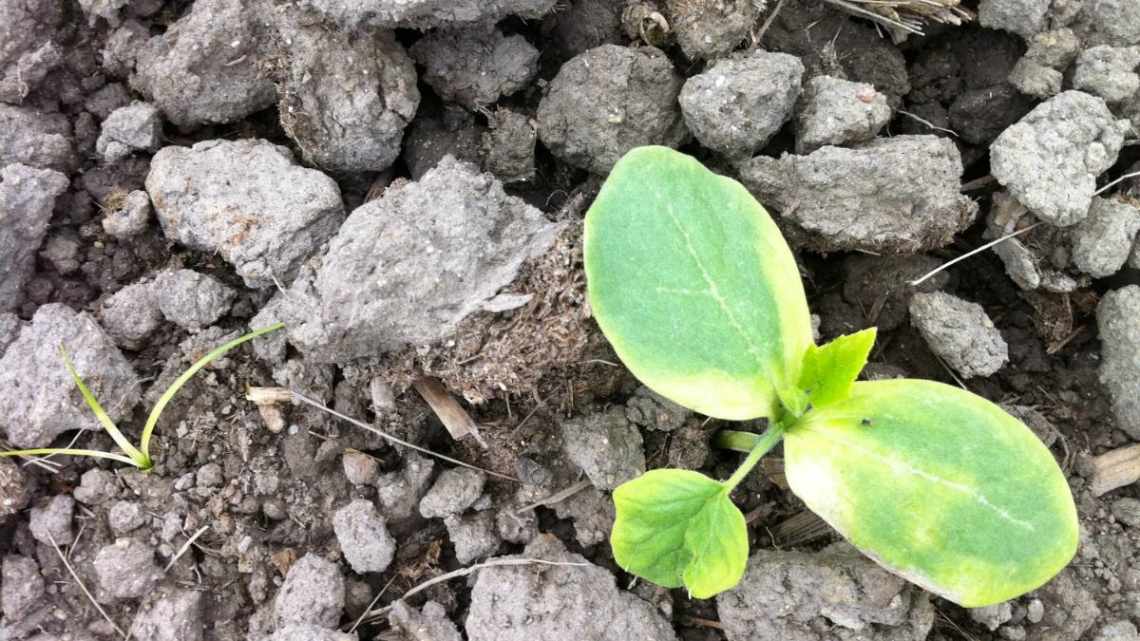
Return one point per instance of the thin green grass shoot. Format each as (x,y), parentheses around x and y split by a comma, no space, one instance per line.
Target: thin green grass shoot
(138,457)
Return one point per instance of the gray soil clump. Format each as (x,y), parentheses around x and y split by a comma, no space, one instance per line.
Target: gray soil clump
(424,14)
(1069,610)
(35,138)
(1103,242)
(430,623)
(131,217)
(192,300)
(1122,630)
(508,146)
(707,29)
(855,598)
(393,277)
(1108,72)
(96,486)
(586,24)
(345,99)
(521,604)
(124,516)
(363,537)
(205,68)
(14,490)
(454,491)
(473,536)
(174,617)
(606,446)
(21,586)
(51,520)
(473,66)
(839,112)
(894,195)
(399,493)
(136,127)
(38,400)
(739,103)
(650,410)
(1117,317)
(592,512)
(959,332)
(607,101)
(1050,159)
(28,49)
(1107,22)
(1040,72)
(131,314)
(126,569)
(247,201)
(27,199)
(1026,18)
(313,593)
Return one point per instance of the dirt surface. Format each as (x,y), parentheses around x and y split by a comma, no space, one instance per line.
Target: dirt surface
(403,183)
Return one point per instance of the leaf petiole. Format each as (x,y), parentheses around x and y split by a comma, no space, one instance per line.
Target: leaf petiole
(736,440)
(763,445)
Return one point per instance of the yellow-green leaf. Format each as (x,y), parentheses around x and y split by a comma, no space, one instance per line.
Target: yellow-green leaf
(939,485)
(830,370)
(693,285)
(677,527)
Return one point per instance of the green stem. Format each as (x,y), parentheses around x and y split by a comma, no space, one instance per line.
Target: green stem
(168,395)
(737,441)
(764,443)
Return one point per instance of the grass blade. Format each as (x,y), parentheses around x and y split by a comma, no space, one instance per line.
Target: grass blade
(137,458)
(166,397)
(63,451)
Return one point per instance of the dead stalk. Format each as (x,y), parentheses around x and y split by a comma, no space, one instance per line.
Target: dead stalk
(557,497)
(82,587)
(462,572)
(944,266)
(392,439)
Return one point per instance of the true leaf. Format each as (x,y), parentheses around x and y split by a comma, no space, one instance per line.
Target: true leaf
(938,485)
(677,527)
(830,370)
(693,285)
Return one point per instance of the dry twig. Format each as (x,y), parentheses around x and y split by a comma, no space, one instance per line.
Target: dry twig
(462,572)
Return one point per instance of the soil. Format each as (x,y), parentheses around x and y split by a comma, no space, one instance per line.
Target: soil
(200,548)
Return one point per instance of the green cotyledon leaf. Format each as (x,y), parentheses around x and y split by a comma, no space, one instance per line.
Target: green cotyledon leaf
(830,370)
(693,285)
(938,485)
(678,527)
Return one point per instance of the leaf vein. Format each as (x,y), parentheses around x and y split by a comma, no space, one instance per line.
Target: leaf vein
(900,465)
(714,293)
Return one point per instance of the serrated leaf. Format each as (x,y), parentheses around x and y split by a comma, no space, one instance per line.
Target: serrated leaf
(693,285)
(938,485)
(679,528)
(831,369)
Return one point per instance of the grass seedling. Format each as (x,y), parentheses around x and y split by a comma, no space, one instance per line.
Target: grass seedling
(137,456)
(695,288)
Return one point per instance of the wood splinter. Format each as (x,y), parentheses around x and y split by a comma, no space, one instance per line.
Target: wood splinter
(456,419)
(268,401)
(1115,469)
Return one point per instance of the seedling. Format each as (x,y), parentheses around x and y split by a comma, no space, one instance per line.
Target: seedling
(695,288)
(131,455)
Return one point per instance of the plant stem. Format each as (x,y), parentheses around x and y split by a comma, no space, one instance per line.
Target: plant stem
(766,442)
(736,441)
(168,395)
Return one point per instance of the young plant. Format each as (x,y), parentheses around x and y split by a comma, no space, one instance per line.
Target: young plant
(695,288)
(136,456)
